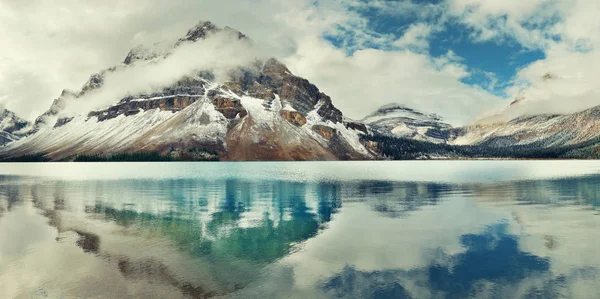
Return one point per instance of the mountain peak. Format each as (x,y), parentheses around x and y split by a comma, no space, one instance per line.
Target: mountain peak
(273,65)
(67,92)
(235,32)
(395,108)
(392,106)
(144,52)
(200,31)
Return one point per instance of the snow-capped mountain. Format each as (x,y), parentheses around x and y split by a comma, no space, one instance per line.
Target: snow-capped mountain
(400,121)
(521,123)
(10,126)
(545,130)
(260,111)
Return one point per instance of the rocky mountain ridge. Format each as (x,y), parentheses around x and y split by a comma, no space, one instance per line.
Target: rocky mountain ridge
(263,112)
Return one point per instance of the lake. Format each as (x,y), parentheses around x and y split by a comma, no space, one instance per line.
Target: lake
(423,229)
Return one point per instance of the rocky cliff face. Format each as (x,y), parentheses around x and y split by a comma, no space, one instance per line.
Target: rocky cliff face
(261,112)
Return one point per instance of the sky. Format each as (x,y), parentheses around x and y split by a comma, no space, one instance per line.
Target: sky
(462,59)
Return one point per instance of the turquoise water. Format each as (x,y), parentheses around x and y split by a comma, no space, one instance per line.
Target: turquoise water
(300,230)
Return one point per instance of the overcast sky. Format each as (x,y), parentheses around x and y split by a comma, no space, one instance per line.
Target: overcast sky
(458,58)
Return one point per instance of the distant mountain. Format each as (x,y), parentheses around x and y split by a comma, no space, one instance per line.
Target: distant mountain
(545,130)
(261,112)
(403,133)
(400,121)
(10,126)
(540,129)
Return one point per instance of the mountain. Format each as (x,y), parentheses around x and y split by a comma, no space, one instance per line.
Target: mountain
(261,111)
(403,133)
(400,121)
(531,127)
(10,126)
(566,136)
(545,130)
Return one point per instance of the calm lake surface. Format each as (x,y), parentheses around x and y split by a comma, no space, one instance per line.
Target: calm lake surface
(464,229)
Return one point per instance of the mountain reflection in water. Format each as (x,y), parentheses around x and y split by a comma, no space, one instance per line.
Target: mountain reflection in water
(249,238)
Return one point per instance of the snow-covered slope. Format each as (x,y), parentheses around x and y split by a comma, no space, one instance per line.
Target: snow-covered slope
(10,126)
(401,121)
(546,130)
(260,111)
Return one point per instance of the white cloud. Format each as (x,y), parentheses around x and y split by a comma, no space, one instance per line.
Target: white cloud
(416,37)
(371,78)
(574,88)
(567,31)
(501,19)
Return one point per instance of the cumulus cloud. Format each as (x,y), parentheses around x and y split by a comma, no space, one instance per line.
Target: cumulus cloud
(573,60)
(416,37)
(370,78)
(564,82)
(501,19)
(568,32)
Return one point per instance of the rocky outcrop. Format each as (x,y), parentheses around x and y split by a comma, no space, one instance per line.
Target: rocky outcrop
(356,126)
(96,81)
(200,31)
(132,107)
(327,110)
(230,108)
(293,117)
(261,92)
(62,121)
(144,53)
(298,92)
(325,131)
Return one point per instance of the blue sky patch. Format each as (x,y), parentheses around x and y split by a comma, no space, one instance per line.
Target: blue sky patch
(503,59)
(493,64)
